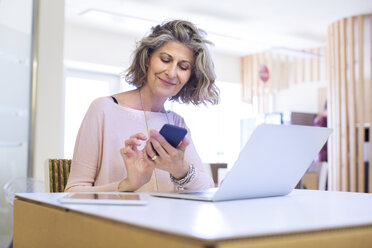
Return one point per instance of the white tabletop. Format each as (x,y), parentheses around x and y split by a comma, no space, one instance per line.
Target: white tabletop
(300,211)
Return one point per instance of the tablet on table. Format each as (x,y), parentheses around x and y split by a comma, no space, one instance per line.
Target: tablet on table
(108,198)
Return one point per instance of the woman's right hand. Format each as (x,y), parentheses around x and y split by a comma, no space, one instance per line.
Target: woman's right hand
(138,171)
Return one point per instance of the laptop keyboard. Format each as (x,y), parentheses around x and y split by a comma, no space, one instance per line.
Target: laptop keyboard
(207,193)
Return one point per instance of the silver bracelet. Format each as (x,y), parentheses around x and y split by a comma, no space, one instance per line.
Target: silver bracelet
(182,182)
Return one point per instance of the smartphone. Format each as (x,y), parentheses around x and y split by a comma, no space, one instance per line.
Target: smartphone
(173,134)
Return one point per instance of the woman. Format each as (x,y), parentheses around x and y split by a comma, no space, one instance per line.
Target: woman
(118,147)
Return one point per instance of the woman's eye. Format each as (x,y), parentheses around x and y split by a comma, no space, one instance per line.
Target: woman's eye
(184,67)
(165,60)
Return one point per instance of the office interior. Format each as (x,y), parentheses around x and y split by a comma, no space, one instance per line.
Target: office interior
(58,55)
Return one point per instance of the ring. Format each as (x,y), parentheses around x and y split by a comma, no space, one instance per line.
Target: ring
(154,158)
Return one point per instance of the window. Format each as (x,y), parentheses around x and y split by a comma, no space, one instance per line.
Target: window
(81,88)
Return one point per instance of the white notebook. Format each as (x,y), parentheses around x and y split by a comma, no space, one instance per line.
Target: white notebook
(271,164)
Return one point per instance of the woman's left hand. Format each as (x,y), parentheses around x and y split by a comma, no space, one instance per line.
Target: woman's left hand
(169,158)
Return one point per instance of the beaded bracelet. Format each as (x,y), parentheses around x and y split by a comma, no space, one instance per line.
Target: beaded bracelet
(182,182)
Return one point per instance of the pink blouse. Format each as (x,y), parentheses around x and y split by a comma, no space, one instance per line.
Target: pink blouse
(97,164)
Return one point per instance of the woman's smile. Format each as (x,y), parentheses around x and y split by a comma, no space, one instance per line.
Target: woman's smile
(166,82)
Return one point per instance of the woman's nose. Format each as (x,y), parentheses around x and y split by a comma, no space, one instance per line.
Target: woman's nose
(172,70)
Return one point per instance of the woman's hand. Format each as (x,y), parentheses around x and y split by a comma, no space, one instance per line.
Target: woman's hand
(167,157)
(139,171)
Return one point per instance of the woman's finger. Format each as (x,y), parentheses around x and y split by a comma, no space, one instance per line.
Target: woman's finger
(132,142)
(157,136)
(150,151)
(184,143)
(134,139)
(158,148)
(148,161)
(140,136)
(126,151)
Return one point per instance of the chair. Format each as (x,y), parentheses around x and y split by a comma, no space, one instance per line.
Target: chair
(59,170)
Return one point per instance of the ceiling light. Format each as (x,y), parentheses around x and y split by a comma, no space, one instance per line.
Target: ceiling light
(119,18)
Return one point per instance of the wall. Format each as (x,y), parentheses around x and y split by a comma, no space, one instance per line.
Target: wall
(97,46)
(305,93)
(48,140)
(15,67)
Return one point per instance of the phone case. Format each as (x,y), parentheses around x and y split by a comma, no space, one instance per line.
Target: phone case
(173,134)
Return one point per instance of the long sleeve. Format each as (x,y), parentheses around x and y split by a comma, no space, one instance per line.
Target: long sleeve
(88,153)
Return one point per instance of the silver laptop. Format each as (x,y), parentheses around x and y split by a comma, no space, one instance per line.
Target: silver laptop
(271,164)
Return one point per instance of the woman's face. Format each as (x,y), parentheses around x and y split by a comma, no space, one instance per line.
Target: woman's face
(169,68)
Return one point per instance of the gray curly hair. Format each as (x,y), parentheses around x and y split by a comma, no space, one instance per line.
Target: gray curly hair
(201,86)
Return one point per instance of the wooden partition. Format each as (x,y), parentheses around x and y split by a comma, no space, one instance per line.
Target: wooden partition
(349,69)
(285,70)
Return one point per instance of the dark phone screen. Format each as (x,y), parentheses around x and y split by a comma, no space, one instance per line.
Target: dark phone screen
(173,134)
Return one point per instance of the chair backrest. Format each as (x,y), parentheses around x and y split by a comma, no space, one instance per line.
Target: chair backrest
(59,170)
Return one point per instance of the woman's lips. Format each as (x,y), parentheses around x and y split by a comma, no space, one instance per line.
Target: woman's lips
(167,82)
